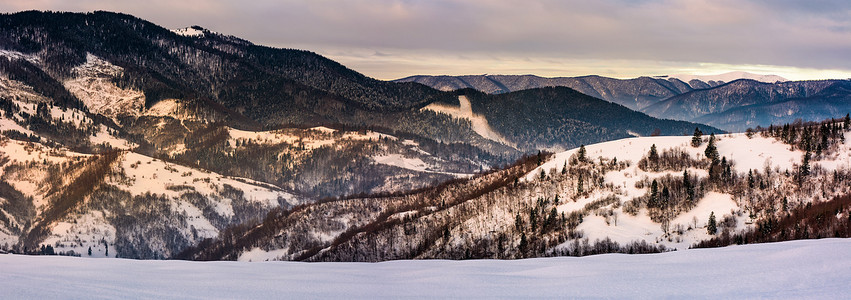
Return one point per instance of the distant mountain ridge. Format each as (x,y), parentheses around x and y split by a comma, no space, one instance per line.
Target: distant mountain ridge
(725,105)
(728,77)
(633,93)
(731,101)
(636,93)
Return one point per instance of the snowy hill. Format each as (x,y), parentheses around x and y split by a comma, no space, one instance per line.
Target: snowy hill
(617,197)
(817,269)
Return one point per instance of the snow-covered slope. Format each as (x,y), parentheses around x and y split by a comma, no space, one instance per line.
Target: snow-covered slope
(465,111)
(811,269)
(756,153)
(93,84)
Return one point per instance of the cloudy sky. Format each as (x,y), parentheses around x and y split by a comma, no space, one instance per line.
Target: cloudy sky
(390,39)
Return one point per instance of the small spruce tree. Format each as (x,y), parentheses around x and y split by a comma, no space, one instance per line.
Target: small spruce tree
(687,186)
(711,151)
(653,155)
(805,164)
(581,154)
(712,226)
(654,194)
(750,179)
(697,139)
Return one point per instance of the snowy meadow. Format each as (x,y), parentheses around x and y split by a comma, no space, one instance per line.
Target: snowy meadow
(815,269)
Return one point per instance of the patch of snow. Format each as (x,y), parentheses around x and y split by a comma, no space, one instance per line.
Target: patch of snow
(324,129)
(93,85)
(257,255)
(88,230)
(189,31)
(410,163)
(104,137)
(147,174)
(465,111)
(19,55)
(18,91)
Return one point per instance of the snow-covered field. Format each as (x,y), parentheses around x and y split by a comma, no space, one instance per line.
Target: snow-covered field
(809,269)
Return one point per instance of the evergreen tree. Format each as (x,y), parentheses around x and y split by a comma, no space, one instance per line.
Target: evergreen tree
(687,186)
(750,179)
(581,154)
(543,175)
(805,164)
(551,220)
(564,168)
(711,151)
(697,139)
(654,194)
(533,219)
(846,123)
(90,251)
(726,170)
(712,226)
(580,185)
(653,156)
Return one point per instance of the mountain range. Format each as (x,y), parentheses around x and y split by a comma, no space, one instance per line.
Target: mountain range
(146,103)
(121,138)
(731,101)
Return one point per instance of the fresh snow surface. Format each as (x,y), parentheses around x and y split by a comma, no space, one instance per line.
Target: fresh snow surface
(809,269)
(465,111)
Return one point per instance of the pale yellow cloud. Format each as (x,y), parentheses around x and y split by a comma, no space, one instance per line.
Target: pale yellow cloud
(391,64)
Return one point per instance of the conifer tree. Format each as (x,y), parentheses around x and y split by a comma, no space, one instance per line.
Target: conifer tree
(712,226)
(711,151)
(581,154)
(805,164)
(654,194)
(653,155)
(697,139)
(687,185)
(750,179)
(551,220)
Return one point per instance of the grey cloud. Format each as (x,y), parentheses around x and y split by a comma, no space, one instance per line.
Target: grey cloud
(805,34)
